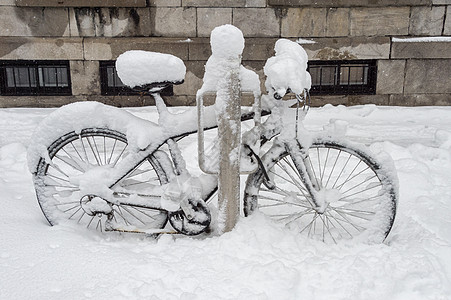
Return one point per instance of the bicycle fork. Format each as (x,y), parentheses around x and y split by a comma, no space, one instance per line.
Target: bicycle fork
(300,158)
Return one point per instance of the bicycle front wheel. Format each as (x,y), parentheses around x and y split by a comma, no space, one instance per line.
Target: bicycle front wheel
(359,192)
(75,154)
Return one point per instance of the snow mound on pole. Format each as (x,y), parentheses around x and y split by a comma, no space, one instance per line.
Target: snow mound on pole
(287,69)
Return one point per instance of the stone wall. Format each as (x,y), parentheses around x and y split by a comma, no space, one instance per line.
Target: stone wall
(410,71)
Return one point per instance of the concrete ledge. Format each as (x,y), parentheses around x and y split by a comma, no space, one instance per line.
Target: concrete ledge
(348,48)
(41,48)
(433,47)
(351,3)
(350,100)
(111,48)
(420,100)
(82,3)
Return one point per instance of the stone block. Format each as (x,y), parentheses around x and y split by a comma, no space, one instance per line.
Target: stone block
(209,18)
(368,99)
(214,3)
(420,100)
(380,21)
(174,21)
(428,76)
(111,48)
(253,22)
(38,22)
(352,3)
(426,20)
(258,49)
(82,3)
(441,2)
(85,77)
(447,29)
(348,48)
(193,79)
(421,48)
(41,48)
(255,3)
(337,22)
(199,49)
(390,76)
(304,22)
(110,22)
(7,2)
(165,3)
(255,49)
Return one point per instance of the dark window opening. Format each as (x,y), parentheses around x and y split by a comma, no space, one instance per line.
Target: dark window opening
(111,84)
(35,78)
(343,77)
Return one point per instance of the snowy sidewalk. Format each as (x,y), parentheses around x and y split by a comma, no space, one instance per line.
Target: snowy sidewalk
(258,259)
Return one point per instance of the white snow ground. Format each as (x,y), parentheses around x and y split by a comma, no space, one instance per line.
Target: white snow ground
(258,259)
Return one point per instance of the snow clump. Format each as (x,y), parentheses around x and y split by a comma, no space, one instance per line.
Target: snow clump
(287,69)
(137,68)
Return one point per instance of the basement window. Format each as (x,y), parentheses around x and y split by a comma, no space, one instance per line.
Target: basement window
(355,77)
(35,78)
(111,84)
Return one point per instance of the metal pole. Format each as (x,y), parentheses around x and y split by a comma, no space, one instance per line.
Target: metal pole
(229,129)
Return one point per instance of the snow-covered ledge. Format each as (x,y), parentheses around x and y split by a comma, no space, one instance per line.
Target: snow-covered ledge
(82,3)
(421,47)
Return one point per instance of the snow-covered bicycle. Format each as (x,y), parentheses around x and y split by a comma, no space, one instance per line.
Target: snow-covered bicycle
(104,168)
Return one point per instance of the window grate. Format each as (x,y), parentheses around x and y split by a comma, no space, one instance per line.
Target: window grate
(111,84)
(343,77)
(35,78)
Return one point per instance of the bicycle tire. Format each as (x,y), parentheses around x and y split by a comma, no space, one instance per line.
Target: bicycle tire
(76,153)
(361,193)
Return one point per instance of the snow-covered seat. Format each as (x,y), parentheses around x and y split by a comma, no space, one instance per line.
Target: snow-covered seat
(149,71)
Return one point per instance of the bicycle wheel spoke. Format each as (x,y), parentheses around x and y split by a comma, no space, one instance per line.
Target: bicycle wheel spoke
(76,153)
(333,168)
(349,177)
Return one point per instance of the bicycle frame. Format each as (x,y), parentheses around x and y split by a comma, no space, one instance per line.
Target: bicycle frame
(123,169)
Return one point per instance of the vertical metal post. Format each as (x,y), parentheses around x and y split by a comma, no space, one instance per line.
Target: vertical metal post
(229,129)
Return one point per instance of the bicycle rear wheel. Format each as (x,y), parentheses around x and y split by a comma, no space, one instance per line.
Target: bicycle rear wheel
(71,156)
(361,195)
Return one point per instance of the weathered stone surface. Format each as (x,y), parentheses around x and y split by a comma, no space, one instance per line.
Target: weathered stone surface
(420,100)
(214,3)
(255,3)
(28,21)
(209,18)
(261,22)
(428,76)
(337,22)
(348,48)
(380,21)
(7,2)
(447,29)
(390,76)
(304,22)
(111,48)
(85,77)
(425,49)
(82,3)
(165,3)
(41,48)
(193,79)
(441,2)
(352,3)
(255,49)
(174,21)
(110,22)
(426,20)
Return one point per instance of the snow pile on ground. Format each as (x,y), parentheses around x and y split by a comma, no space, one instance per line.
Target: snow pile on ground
(258,259)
